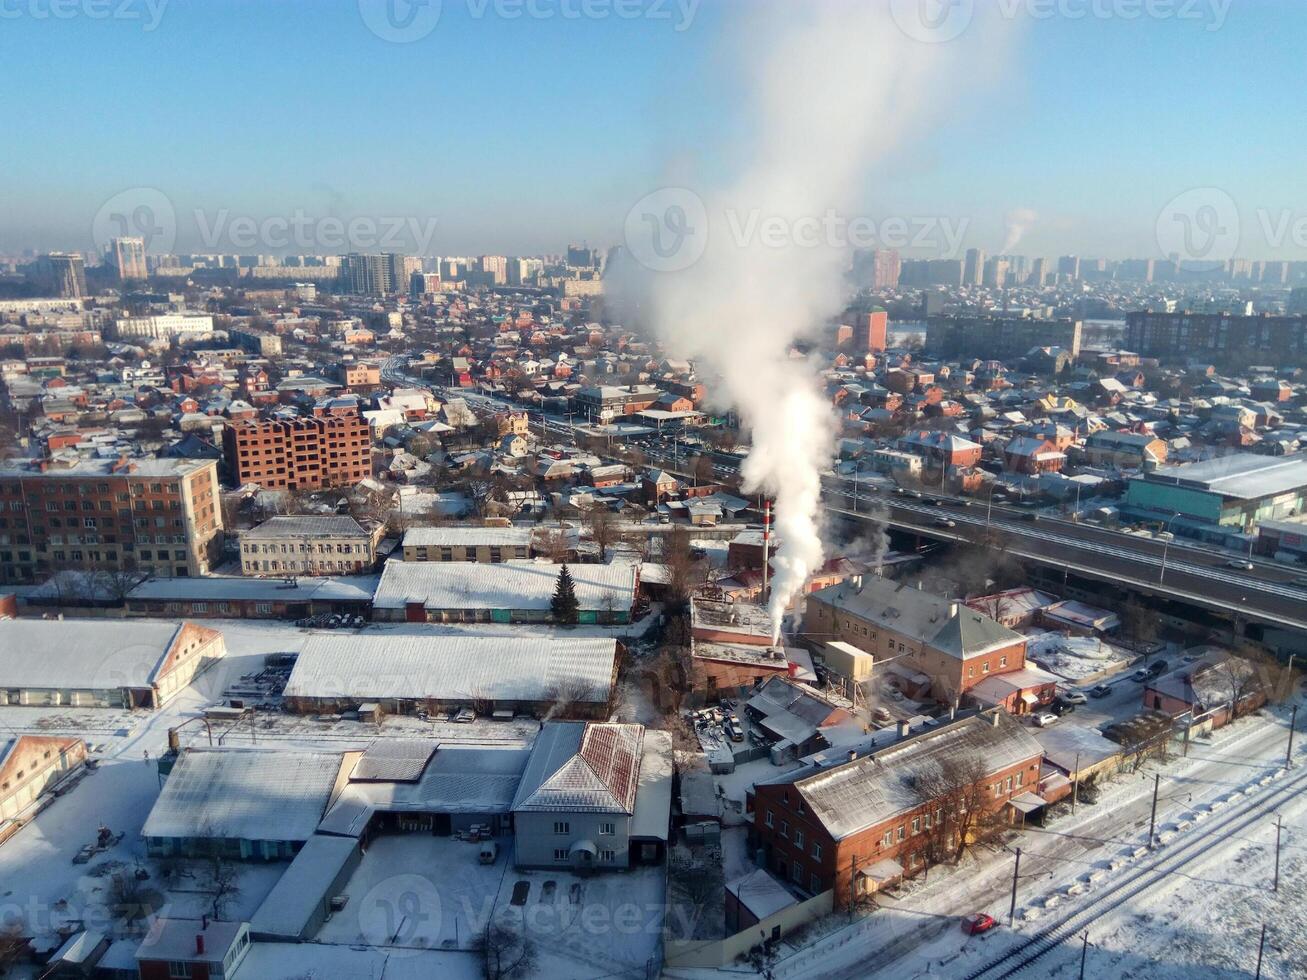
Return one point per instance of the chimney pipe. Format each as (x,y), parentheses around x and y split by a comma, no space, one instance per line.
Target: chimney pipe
(853,755)
(766,548)
(994,717)
(904,728)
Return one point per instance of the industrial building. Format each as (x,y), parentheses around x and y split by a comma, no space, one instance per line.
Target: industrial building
(309,545)
(246,803)
(488,674)
(102,663)
(1217,498)
(512,592)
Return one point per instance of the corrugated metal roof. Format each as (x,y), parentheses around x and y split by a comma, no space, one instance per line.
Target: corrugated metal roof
(394,760)
(244,794)
(875,788)
(582,766)
(452,668)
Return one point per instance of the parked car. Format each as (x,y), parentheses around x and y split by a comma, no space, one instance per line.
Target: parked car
(1061,707)
(1074,697)
(1157,668)
(881,716)
(1100,691)
(1044,718)
(733,730)
(1142,675)
(978,922)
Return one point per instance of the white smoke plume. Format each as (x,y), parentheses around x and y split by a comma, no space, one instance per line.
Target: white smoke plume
(1018,221)
(835,86)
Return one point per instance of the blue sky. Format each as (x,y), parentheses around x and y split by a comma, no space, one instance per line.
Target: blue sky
(519,135)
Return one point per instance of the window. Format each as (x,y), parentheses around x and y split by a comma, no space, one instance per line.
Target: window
(608,828)
(816,850)
(798,837)
(902,831)
(560,854)
(179,970)
(1002,661)
(608,856)
(562,827)
(984,668)
(785,829)
(767,819)
(888,839)
(815,883)
(916,825)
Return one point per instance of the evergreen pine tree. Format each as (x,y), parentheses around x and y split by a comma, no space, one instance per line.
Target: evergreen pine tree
(564,605)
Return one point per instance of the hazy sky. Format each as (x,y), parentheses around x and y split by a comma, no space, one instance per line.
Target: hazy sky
(517,134)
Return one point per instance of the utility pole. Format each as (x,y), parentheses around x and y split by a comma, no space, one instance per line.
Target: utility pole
(1016,871)
(1084,951)
(1288,752)
(1152,817)
(1261,946)
(853,881)
(1075,784)
(1275,886)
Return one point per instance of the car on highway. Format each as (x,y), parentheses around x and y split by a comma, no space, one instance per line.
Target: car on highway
(945,522)
(1241,564)
(1100,690)
(978,922)
(1043,719)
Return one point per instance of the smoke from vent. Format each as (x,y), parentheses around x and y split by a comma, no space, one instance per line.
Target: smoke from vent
(734,275)
(1018,223)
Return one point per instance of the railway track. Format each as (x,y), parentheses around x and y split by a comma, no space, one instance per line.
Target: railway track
(1136,882)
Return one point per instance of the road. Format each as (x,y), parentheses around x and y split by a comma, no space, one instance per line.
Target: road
(1267,593)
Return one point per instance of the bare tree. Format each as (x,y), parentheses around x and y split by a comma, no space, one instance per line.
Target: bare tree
(955,798)
(505,952)
(684,574)
(552,542)
(603,529)
(223,881)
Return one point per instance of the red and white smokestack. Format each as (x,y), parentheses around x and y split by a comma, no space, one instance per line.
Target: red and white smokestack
(766,548)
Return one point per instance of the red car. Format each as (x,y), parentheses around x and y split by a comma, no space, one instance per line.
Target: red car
(974,925)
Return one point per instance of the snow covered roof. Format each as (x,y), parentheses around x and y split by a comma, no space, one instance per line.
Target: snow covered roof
(508,585)
(244,794)
(760,893)
(394,760)
(475,779)
(308,525)
(453,668)
(858,795)
(582,766)
(347,588)
(467,537)
(298,893)
(944,624)
(92,654)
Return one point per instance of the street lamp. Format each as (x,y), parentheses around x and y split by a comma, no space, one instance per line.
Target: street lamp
(1166,544)
(989,507)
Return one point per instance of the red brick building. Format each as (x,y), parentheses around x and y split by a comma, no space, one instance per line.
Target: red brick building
(857,825)
(299,454)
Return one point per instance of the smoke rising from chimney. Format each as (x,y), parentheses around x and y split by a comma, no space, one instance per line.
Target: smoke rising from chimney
(732,276)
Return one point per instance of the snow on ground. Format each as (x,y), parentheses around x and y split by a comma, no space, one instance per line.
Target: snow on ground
(915,932)
(1076,658)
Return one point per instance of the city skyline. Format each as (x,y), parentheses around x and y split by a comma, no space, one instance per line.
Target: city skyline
(1054,131)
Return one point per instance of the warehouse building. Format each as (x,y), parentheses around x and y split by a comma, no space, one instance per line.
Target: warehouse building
(490,545)
(101,664)
(251,804)
(488,674)
(1217,498)
(29,764)
(513,592)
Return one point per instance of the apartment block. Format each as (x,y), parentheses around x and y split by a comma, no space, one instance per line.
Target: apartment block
(308,545)
(160,516)
(299,454)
